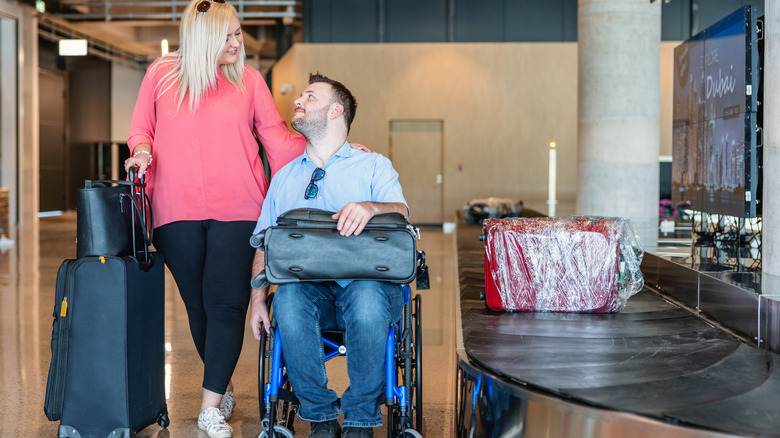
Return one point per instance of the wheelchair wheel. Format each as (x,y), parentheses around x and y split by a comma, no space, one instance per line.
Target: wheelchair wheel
(282,415)
(279,432)
(262,372)
(411,433)
(399,425)
(417,360)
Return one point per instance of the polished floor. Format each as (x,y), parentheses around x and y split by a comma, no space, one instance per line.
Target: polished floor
(26,303)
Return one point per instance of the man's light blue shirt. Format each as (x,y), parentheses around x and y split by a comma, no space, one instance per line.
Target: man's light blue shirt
(351,175)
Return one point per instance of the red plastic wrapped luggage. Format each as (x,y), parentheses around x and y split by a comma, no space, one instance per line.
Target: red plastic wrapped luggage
(571,264)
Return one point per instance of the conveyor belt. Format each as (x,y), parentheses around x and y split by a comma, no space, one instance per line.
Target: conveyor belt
(652,359)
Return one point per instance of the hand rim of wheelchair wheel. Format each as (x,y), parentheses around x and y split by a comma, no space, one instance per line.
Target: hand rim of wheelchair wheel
(411,433)
(283,431)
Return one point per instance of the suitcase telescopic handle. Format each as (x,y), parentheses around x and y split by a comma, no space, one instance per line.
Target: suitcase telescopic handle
(259,281)
(141,211)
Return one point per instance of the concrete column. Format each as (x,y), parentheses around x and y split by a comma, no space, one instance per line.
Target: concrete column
(618,111)
(770,251)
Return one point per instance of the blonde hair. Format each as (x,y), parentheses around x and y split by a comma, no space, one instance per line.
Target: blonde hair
(202,38)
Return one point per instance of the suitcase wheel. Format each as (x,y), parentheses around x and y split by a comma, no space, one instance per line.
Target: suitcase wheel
(163,420)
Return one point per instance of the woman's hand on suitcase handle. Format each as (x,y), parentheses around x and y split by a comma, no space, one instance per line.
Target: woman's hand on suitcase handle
(141,158)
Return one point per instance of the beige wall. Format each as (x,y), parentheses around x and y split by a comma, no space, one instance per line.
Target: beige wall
(501,103)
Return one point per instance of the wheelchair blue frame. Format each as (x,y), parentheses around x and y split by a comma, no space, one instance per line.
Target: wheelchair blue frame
(397,396)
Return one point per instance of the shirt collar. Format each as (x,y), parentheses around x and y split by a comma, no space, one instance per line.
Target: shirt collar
(344,151)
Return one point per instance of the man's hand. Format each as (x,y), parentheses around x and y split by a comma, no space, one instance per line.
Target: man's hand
(354,217)
(258,315)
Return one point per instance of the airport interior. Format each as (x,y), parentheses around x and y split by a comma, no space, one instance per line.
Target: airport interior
(645,117)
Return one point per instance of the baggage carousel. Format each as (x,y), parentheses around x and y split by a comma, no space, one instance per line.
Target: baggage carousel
(653,369)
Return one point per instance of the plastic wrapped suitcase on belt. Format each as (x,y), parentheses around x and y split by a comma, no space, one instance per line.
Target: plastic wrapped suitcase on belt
(571,264)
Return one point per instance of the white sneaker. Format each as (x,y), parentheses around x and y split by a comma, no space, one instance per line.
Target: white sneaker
(227,404)
(213,423)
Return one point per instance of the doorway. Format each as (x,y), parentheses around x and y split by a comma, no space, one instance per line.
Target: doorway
(416,150)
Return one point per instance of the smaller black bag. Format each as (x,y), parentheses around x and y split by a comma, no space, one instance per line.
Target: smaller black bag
(306,246)
(477,210)
(110,221)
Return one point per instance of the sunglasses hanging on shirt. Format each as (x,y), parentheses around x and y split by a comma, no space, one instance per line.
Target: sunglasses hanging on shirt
(312,189)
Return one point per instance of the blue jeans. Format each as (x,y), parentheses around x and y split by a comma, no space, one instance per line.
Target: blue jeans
(364,310)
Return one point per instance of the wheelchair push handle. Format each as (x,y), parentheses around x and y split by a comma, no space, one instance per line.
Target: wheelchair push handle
(257,240)
(259,281)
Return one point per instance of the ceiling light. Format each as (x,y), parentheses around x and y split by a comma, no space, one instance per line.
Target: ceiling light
(73,47)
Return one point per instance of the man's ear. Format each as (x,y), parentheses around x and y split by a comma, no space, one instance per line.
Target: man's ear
(336,110)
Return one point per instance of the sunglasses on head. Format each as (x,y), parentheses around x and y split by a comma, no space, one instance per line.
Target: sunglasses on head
(312,189)
(204,6)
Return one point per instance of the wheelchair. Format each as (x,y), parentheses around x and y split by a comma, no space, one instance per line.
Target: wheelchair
(403,375)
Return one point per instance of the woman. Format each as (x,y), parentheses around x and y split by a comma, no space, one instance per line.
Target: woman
(192,135)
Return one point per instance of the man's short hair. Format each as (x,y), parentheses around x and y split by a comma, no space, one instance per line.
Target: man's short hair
(341,95)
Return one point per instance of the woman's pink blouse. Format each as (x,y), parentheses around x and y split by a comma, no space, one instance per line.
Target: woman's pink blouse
(206,164)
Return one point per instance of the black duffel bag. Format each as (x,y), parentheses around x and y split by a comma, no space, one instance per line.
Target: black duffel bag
(306,246)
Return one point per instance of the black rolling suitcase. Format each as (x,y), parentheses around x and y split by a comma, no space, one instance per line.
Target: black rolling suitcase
(106,377)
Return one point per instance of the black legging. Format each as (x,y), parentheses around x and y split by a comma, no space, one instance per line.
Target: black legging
(211,262)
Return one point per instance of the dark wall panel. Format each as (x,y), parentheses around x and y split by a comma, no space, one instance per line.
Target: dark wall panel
(676,20)
(536,20)
(49,57)
(354,21)
(569,22)
(479,21)
(409,21)
(89,117)
(316,21)
(327,21)
(341,21)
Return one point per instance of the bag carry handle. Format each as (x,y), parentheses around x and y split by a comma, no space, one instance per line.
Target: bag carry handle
(316,218)
(90,183)
(141,211)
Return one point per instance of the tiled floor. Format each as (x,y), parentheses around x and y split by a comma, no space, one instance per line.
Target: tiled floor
(26,302)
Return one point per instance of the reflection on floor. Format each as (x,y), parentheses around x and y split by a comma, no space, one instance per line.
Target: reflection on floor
(26,302)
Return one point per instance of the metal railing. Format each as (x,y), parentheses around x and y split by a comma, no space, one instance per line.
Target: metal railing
(108,10)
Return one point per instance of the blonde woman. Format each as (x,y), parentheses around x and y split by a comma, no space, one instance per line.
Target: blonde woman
(192,135)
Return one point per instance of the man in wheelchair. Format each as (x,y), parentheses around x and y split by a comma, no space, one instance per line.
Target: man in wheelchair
(332,176)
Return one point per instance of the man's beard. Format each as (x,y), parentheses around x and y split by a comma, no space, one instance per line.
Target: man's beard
(311,125)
